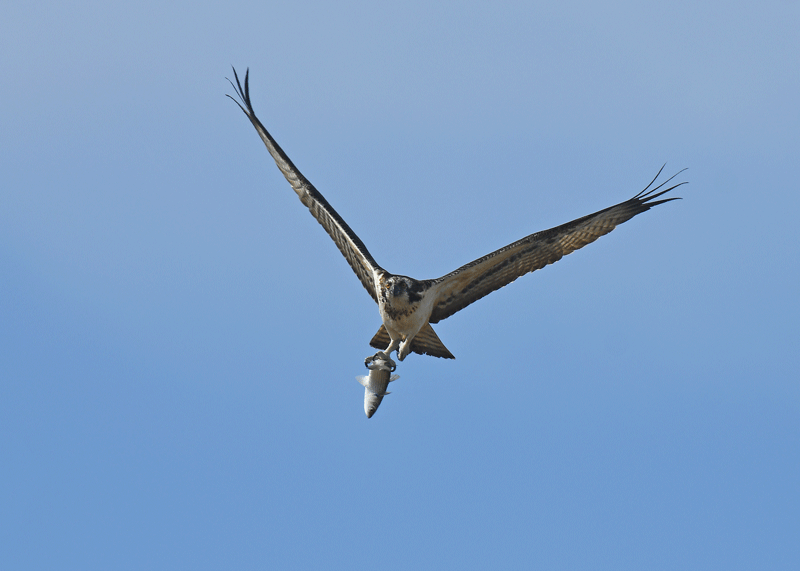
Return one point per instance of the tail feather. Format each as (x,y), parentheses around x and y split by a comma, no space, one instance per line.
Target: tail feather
(426,342)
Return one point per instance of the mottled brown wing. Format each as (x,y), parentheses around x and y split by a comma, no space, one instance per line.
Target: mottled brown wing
(477,279)
(351,247)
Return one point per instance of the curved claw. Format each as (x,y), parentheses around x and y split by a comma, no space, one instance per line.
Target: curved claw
(370,362)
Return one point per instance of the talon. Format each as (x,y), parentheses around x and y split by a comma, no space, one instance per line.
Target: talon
(369,362)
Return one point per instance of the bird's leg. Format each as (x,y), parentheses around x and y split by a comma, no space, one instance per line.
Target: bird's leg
(404,349)
(405,346)
(392,347)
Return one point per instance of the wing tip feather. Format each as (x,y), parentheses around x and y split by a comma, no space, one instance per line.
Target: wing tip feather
(242,93)
(648,194)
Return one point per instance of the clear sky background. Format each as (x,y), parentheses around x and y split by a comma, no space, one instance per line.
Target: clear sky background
(179,338)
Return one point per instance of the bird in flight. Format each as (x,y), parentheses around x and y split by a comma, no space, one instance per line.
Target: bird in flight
(409,306)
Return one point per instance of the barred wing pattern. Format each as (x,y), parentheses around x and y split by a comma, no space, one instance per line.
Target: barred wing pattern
(477,279)
(351,247)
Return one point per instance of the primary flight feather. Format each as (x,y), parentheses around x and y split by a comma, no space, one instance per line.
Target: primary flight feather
(408,306)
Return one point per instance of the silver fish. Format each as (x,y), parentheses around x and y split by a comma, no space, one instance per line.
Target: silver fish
(380,375)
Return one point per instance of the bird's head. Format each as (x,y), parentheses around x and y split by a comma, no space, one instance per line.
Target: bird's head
(402,291)
(397,286)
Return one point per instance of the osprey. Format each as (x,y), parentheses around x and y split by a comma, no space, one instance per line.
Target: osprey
(408,306)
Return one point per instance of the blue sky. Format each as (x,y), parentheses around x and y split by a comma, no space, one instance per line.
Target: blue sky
(179,339)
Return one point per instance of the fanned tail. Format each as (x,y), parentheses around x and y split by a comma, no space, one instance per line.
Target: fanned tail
(426,342)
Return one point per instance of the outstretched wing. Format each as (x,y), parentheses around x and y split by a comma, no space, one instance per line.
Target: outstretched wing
(351,247)
(477,279)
